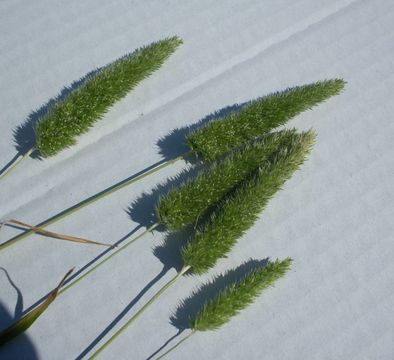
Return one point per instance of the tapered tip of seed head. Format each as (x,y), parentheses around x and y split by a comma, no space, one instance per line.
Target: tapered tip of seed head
(286,263)
(177,40)
(335,86)
(308,139)
(173,41)
(278,268)
(304,144)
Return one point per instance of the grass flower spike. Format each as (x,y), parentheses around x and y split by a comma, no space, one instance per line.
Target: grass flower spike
(77,114)
(190,201)
(259,117)
(238,212)
(234,298)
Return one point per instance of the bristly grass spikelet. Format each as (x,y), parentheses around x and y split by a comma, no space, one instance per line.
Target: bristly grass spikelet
(261,116)
(238,211)
(237,296)
(188,202)
(235,214)
(233,298)
(77,114)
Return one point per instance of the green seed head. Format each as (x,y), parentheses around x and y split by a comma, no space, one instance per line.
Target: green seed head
(237,296)
(77,114)
(238,211)
(261,116)
(189,202)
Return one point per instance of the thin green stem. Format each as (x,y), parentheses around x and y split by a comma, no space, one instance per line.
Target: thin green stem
(176,345)
(72,283)
(139,312)
(91,200)
(17,162)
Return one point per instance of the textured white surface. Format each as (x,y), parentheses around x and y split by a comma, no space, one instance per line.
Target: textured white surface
(334,217)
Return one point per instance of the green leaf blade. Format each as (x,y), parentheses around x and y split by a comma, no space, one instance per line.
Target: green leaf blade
(22,324)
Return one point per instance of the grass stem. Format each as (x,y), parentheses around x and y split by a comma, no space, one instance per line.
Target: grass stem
(16,162)
(141,311)
(91,200)
(72,283)
(63,286)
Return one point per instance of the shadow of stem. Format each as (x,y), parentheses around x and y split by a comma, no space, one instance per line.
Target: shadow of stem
(172,338)
(90,200)
(84,268)
(129,306)
(19,302)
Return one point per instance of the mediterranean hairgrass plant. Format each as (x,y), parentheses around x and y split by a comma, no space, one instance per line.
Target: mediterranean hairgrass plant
(205,190)
(235,214)
(235,297)
(82,108)
(218,137)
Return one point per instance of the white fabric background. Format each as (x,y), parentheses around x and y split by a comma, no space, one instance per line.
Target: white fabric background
(334,217)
